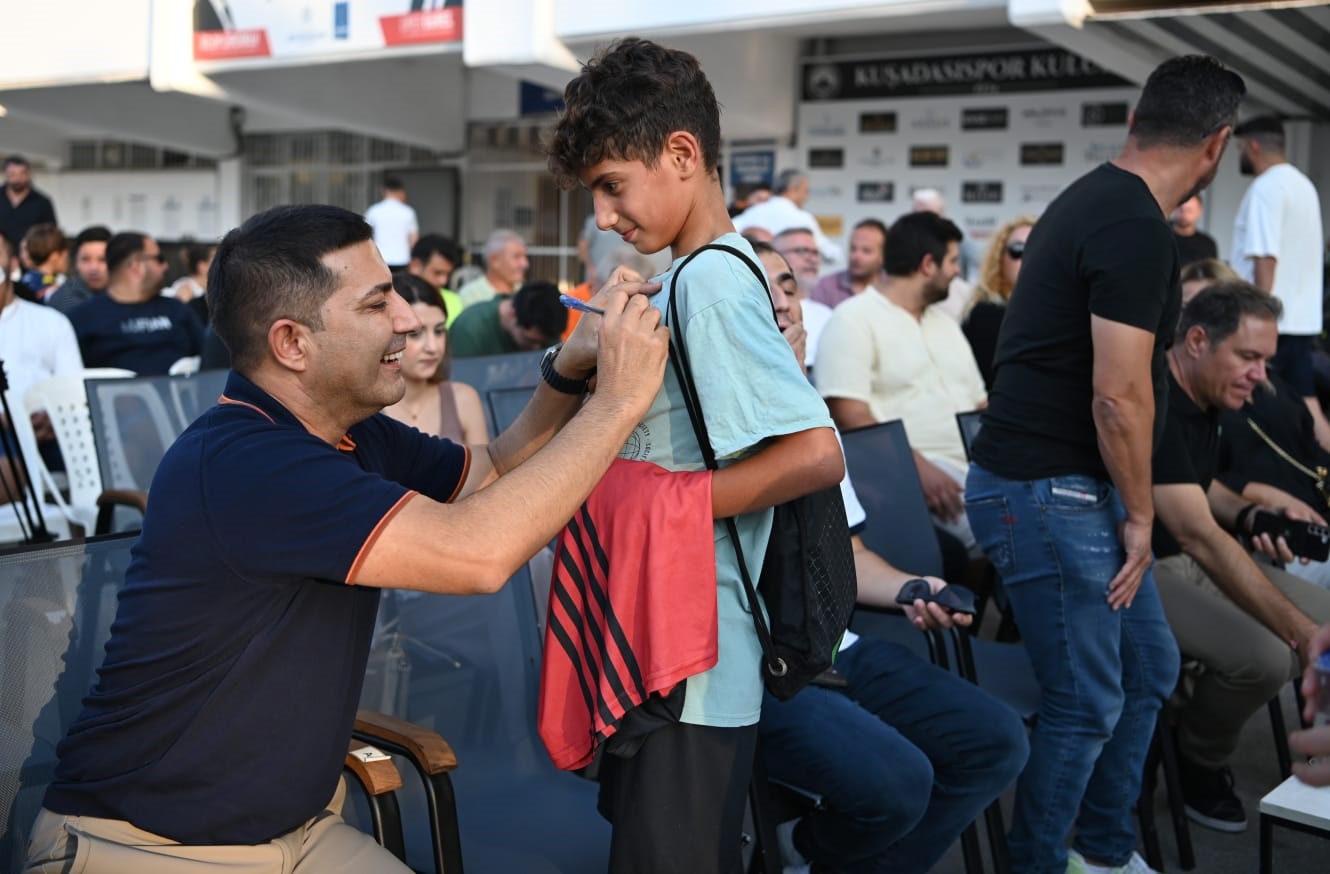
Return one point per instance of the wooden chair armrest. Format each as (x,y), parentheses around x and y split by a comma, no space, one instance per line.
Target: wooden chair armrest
(373,768)
(136,498)
(424,746)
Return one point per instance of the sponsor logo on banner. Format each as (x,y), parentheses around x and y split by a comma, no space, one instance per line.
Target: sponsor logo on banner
(876,158)
(984,73)
(930,120)
(826,159)
(1104,114)
(212,45)
(875,192)
(1042,154)
(830,192)
(433,25)
(822,82)
(973,159)
(753,167)
(1043,116)
(825,127)
(929,156)
(977,225)
(981,192)
(1042,193)
(877,122)
(986,118)
(1098,153)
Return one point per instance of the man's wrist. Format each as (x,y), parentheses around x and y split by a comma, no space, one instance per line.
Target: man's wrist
(1242,521)
(558,378)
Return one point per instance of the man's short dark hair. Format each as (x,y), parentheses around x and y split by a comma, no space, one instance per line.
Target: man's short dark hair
(745,190)
(1268,130)
(1185,100)
(16,161)
(121,247)
(436,244)
(269,269)
(915,235)
(90,234)
(393,183)
(1220,308)
(873,223)
(536,305)
(624,105)
(196,254)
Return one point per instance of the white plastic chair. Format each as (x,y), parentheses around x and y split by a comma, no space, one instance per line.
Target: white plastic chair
(55,513)
(187,366)
(65,401)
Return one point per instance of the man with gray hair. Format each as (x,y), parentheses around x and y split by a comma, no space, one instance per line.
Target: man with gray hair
(785,210)
(1250,626)
(1277,246)
(505,268)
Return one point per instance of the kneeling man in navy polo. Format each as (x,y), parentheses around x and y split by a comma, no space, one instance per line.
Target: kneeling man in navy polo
(216,731)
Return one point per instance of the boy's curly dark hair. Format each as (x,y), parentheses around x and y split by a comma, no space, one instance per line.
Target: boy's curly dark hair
(624,105)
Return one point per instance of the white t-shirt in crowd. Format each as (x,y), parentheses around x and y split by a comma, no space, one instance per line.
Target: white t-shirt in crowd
(778,214)
(816,315)
(393,222)
(1280,217)
(919,370)
(36,342)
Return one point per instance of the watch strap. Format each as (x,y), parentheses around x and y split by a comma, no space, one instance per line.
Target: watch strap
(556,380)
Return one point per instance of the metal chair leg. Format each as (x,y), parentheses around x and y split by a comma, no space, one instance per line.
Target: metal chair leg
(997,838)
(1173,788)
(1145,807)
(970,851)
(766,852)
(1280,731)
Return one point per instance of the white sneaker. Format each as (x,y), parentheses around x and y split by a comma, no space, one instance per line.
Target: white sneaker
(790,859)
(1076,864)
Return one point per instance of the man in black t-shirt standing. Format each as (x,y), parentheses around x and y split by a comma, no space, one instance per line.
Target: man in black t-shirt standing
(1059,492)
(1249,626)
(1194,244)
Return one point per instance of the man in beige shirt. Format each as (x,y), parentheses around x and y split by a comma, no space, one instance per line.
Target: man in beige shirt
(891,354)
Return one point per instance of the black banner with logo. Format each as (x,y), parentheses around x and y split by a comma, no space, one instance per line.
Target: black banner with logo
(986,73)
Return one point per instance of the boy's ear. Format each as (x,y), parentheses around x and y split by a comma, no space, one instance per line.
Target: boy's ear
(683,153)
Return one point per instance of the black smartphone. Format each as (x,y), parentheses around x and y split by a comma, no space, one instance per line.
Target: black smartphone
(1304,539)
(953,599)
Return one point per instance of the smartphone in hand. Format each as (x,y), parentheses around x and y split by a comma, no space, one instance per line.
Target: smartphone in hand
(953,599)
(1304,539)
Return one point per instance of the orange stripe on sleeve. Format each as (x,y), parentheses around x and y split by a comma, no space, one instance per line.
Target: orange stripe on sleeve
(461,481)
(374,536)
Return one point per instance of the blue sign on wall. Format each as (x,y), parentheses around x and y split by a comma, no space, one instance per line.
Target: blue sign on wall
(538,100)
(752,168)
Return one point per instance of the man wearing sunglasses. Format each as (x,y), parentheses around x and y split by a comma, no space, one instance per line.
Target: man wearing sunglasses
(131,326)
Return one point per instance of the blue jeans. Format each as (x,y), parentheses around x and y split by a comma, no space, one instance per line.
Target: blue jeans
(876,748)
(1104,674)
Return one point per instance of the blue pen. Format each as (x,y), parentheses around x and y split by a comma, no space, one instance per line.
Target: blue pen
(574,304)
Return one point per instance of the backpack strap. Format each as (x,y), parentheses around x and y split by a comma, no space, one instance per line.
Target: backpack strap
(683,373)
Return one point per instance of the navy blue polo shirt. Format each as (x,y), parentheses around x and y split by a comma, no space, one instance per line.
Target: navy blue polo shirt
(224,707)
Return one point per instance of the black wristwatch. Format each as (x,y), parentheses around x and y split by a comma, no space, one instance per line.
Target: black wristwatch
(556,380)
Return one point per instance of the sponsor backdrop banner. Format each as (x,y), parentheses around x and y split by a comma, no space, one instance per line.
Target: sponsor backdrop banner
(998,134)
(242,30)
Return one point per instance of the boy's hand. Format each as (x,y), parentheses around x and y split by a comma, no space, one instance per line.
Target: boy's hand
(579,354)
(632,348)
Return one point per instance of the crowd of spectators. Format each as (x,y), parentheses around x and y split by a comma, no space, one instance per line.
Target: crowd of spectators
(1174,396)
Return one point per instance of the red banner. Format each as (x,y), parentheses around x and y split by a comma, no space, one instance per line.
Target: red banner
(214,44)
(434,25)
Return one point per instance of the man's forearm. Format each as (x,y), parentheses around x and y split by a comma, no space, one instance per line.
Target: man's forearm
(1238,577)
(1263,273)
(1125,426)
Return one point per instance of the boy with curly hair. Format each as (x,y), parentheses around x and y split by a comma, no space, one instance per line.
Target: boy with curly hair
(641,132)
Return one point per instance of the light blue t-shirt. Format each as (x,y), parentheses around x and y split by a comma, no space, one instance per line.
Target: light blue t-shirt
(751,388)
